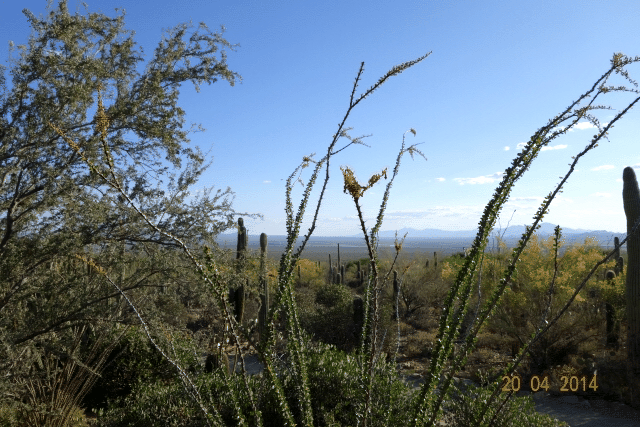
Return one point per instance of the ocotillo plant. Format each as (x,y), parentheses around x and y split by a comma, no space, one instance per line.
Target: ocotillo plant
(264,285)
(631,201)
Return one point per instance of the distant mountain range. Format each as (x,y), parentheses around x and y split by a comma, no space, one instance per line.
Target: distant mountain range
(514,231)
(511,235)
(441,238)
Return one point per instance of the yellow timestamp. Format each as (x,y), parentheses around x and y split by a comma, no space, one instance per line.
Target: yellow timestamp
(570,383)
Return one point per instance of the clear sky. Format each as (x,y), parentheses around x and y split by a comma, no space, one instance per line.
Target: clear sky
(499,71)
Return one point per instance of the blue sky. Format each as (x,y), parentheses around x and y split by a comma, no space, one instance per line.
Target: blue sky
(499,70)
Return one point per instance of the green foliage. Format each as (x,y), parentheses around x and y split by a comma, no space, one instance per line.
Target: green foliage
(133,361)
(310,275)
(529,303)
(153,404)
(332,295)
(336,390)
(331,319)
(59,238)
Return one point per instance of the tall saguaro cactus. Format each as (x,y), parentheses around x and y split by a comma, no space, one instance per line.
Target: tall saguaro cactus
(243,241)
(241,253)
(631,201)
(264,306)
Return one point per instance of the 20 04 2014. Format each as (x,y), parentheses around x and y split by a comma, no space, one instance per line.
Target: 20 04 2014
(570,383)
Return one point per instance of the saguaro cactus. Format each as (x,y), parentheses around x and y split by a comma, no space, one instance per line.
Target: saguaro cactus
(264,306)
(239,299)
(239,294)
(243,241)
(616,243)
(631,202)
(612,329)
(619,265)
(216,361)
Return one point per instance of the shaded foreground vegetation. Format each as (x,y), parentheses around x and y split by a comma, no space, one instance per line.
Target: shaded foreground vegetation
(139,387)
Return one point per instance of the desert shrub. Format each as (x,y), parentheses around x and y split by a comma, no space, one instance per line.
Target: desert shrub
(154,403)
(525,305)
(424,290)
(311,275)
(335,379)
(134,360)
(331,319)
(331,295)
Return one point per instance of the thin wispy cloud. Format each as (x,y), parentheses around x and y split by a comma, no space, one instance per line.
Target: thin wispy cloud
(603,167)
(605,195)
(486,179)
(584,125)
(430,214)
(266,182)
(555,147)
(440,179)
(521,145)
(507,148)
(527,199)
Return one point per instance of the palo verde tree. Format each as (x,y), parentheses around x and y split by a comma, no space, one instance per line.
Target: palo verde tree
(52,209)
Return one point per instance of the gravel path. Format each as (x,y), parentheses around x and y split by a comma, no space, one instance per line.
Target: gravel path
(579,412)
